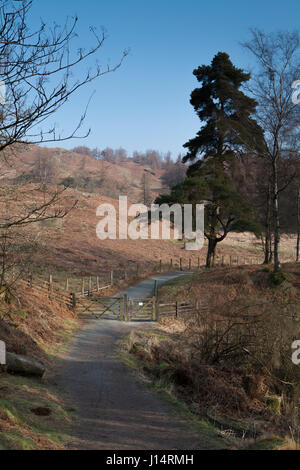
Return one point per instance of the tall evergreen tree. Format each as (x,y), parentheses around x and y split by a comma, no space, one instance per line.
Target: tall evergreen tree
(227,132)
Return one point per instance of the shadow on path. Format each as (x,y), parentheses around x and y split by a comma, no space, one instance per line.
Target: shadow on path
(115,412)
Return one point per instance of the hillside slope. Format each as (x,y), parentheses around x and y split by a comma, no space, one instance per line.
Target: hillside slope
(81,171)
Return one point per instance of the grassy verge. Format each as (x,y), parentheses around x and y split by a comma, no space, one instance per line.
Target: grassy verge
(170,288)
(218,432)
(213,436)
(33,415)
(212,363)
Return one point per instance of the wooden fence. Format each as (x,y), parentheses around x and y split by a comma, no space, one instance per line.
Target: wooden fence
(68,291)
(64,298)
(132,309)
(175,309)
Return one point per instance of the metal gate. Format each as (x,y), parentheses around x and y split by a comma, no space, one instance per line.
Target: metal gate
(109,308)
(141,309)
(118,308)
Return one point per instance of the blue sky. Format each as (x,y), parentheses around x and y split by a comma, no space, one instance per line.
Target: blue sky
(145,104)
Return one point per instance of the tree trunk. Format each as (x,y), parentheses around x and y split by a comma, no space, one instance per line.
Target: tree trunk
(268,238)
(211,252)
(277,265)
(271,249)
(266,248)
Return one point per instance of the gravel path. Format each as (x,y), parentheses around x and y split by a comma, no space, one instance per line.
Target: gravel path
(115,411)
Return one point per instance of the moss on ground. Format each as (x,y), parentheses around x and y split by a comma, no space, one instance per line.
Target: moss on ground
(171,287)
(22,424)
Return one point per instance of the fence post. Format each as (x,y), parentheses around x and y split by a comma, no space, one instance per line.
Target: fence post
(176,309)
(190,264)
(171,264)
(90,286)
(160,265)
(73,297)
(180,264)
(153,308)
(198,262)
(111,278)
(156,308)
(155,289)
(82,286)
(98,285)
(30,281)
(50,283)
(67,284)
(126,307)
(121,309)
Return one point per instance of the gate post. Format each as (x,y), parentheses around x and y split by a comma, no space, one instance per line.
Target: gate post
(154,309)
(121,309)
(126,307)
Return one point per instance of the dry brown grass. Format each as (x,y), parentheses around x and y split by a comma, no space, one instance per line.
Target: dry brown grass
(32,324)
(233,355)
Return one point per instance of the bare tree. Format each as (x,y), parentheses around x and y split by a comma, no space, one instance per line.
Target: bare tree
(45,169)
(175,172)
(39,72)
(278,60)
(32,59)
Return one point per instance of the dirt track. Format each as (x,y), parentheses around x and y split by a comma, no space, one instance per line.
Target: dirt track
(115,411)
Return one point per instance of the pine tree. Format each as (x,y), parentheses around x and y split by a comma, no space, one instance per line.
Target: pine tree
(228,131)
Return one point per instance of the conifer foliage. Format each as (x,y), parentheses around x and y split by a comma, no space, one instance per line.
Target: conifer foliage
(228,131)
